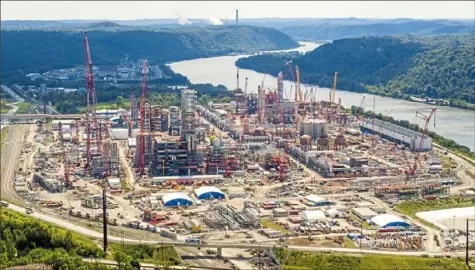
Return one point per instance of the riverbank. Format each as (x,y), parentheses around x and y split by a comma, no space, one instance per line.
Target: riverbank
(452,123)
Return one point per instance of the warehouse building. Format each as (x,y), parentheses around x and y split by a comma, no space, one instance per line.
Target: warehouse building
(209,193)
(316,200)
(312,216)
(400,135)
(364,213)
(176,199)
(387,220)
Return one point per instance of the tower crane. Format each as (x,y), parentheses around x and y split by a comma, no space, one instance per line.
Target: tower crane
(141,145)
(333,91)
(427,119)
(90,97)
(299,91)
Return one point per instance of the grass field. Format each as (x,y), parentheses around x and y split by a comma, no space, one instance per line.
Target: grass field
(111,105)
(269,224)
(3,137)
(295,260)
(410,208)
(148,253)
(23,107)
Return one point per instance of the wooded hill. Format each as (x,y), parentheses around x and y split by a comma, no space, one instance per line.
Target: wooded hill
(435,66)
(42,50)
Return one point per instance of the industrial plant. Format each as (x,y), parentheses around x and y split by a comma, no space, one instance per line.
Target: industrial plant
(265,167)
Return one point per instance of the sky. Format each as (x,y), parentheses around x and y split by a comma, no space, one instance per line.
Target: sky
(130,10)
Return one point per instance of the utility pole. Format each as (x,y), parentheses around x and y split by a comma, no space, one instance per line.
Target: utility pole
(466,245)
(104,216)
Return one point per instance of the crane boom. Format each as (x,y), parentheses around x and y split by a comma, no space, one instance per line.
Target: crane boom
(141,163)
(90,94)
(299,91)
(424,135)
(332,100)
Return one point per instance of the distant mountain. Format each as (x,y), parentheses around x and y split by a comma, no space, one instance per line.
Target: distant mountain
(334,30)
(434,66)
(42,50)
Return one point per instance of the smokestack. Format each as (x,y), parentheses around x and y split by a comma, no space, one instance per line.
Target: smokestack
(237,16)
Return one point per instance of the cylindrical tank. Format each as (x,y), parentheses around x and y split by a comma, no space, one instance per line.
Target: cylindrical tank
(340,142)
(305,140)
(315,128)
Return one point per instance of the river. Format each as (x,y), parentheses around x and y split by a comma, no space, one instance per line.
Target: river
(453,123)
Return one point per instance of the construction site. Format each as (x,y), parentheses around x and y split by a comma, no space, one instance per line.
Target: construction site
(263,167)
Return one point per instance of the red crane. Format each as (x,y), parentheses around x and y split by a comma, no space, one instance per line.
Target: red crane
(90,95)
(141,145)
(424,135)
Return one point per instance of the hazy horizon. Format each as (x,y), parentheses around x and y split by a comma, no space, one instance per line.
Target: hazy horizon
(149,10)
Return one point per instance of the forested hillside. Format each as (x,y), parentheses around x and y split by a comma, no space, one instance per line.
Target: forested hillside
(436,66)
(335,30)
(42,50)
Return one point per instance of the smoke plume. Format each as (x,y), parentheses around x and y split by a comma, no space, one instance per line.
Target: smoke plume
(182,20)
(215,21)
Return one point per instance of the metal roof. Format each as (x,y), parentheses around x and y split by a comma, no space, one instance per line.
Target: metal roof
(202,190)
(315,199)
(313,215)
(175,196)
(384,220)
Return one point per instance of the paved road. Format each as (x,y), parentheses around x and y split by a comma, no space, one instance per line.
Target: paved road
(12,93)
(10,156)
(98,235)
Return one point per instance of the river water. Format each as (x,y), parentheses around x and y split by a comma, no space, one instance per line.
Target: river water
(453,123)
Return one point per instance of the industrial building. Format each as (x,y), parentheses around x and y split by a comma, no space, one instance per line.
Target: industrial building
(176,199)
(316,200)
(209,193)
(313,215)
(387,220)
(364,213)
(315,128)
(410,138)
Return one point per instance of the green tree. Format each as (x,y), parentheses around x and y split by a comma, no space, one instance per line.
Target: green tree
(122,259)
(9,244)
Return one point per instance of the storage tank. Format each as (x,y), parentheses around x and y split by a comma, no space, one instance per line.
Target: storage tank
(315,128)
(323,143)
(340,142)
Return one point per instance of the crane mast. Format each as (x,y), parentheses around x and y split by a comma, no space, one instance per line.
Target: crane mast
(299,91)
(332,99)
(141,149)
(424,135)
(90,95)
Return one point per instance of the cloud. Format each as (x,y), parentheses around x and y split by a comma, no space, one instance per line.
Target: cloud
(182,20)
(215,21)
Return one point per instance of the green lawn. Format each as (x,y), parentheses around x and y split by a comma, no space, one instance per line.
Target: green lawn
(295,260)
(348,243)
(23,107)
(4,108)
(269,224)
(110,105)
(410,208)
(145,253)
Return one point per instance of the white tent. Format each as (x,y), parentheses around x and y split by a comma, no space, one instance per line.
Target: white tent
(313,215)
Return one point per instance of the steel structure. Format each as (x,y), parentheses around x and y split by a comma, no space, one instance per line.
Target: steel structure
(141,144)
(90,97)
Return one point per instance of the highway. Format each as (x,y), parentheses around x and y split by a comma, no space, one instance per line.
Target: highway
(98,235)
(10,157)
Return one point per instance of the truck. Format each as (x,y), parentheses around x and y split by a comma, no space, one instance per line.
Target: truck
(195,241)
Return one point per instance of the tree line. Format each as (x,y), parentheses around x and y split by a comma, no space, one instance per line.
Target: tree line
(439,67)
